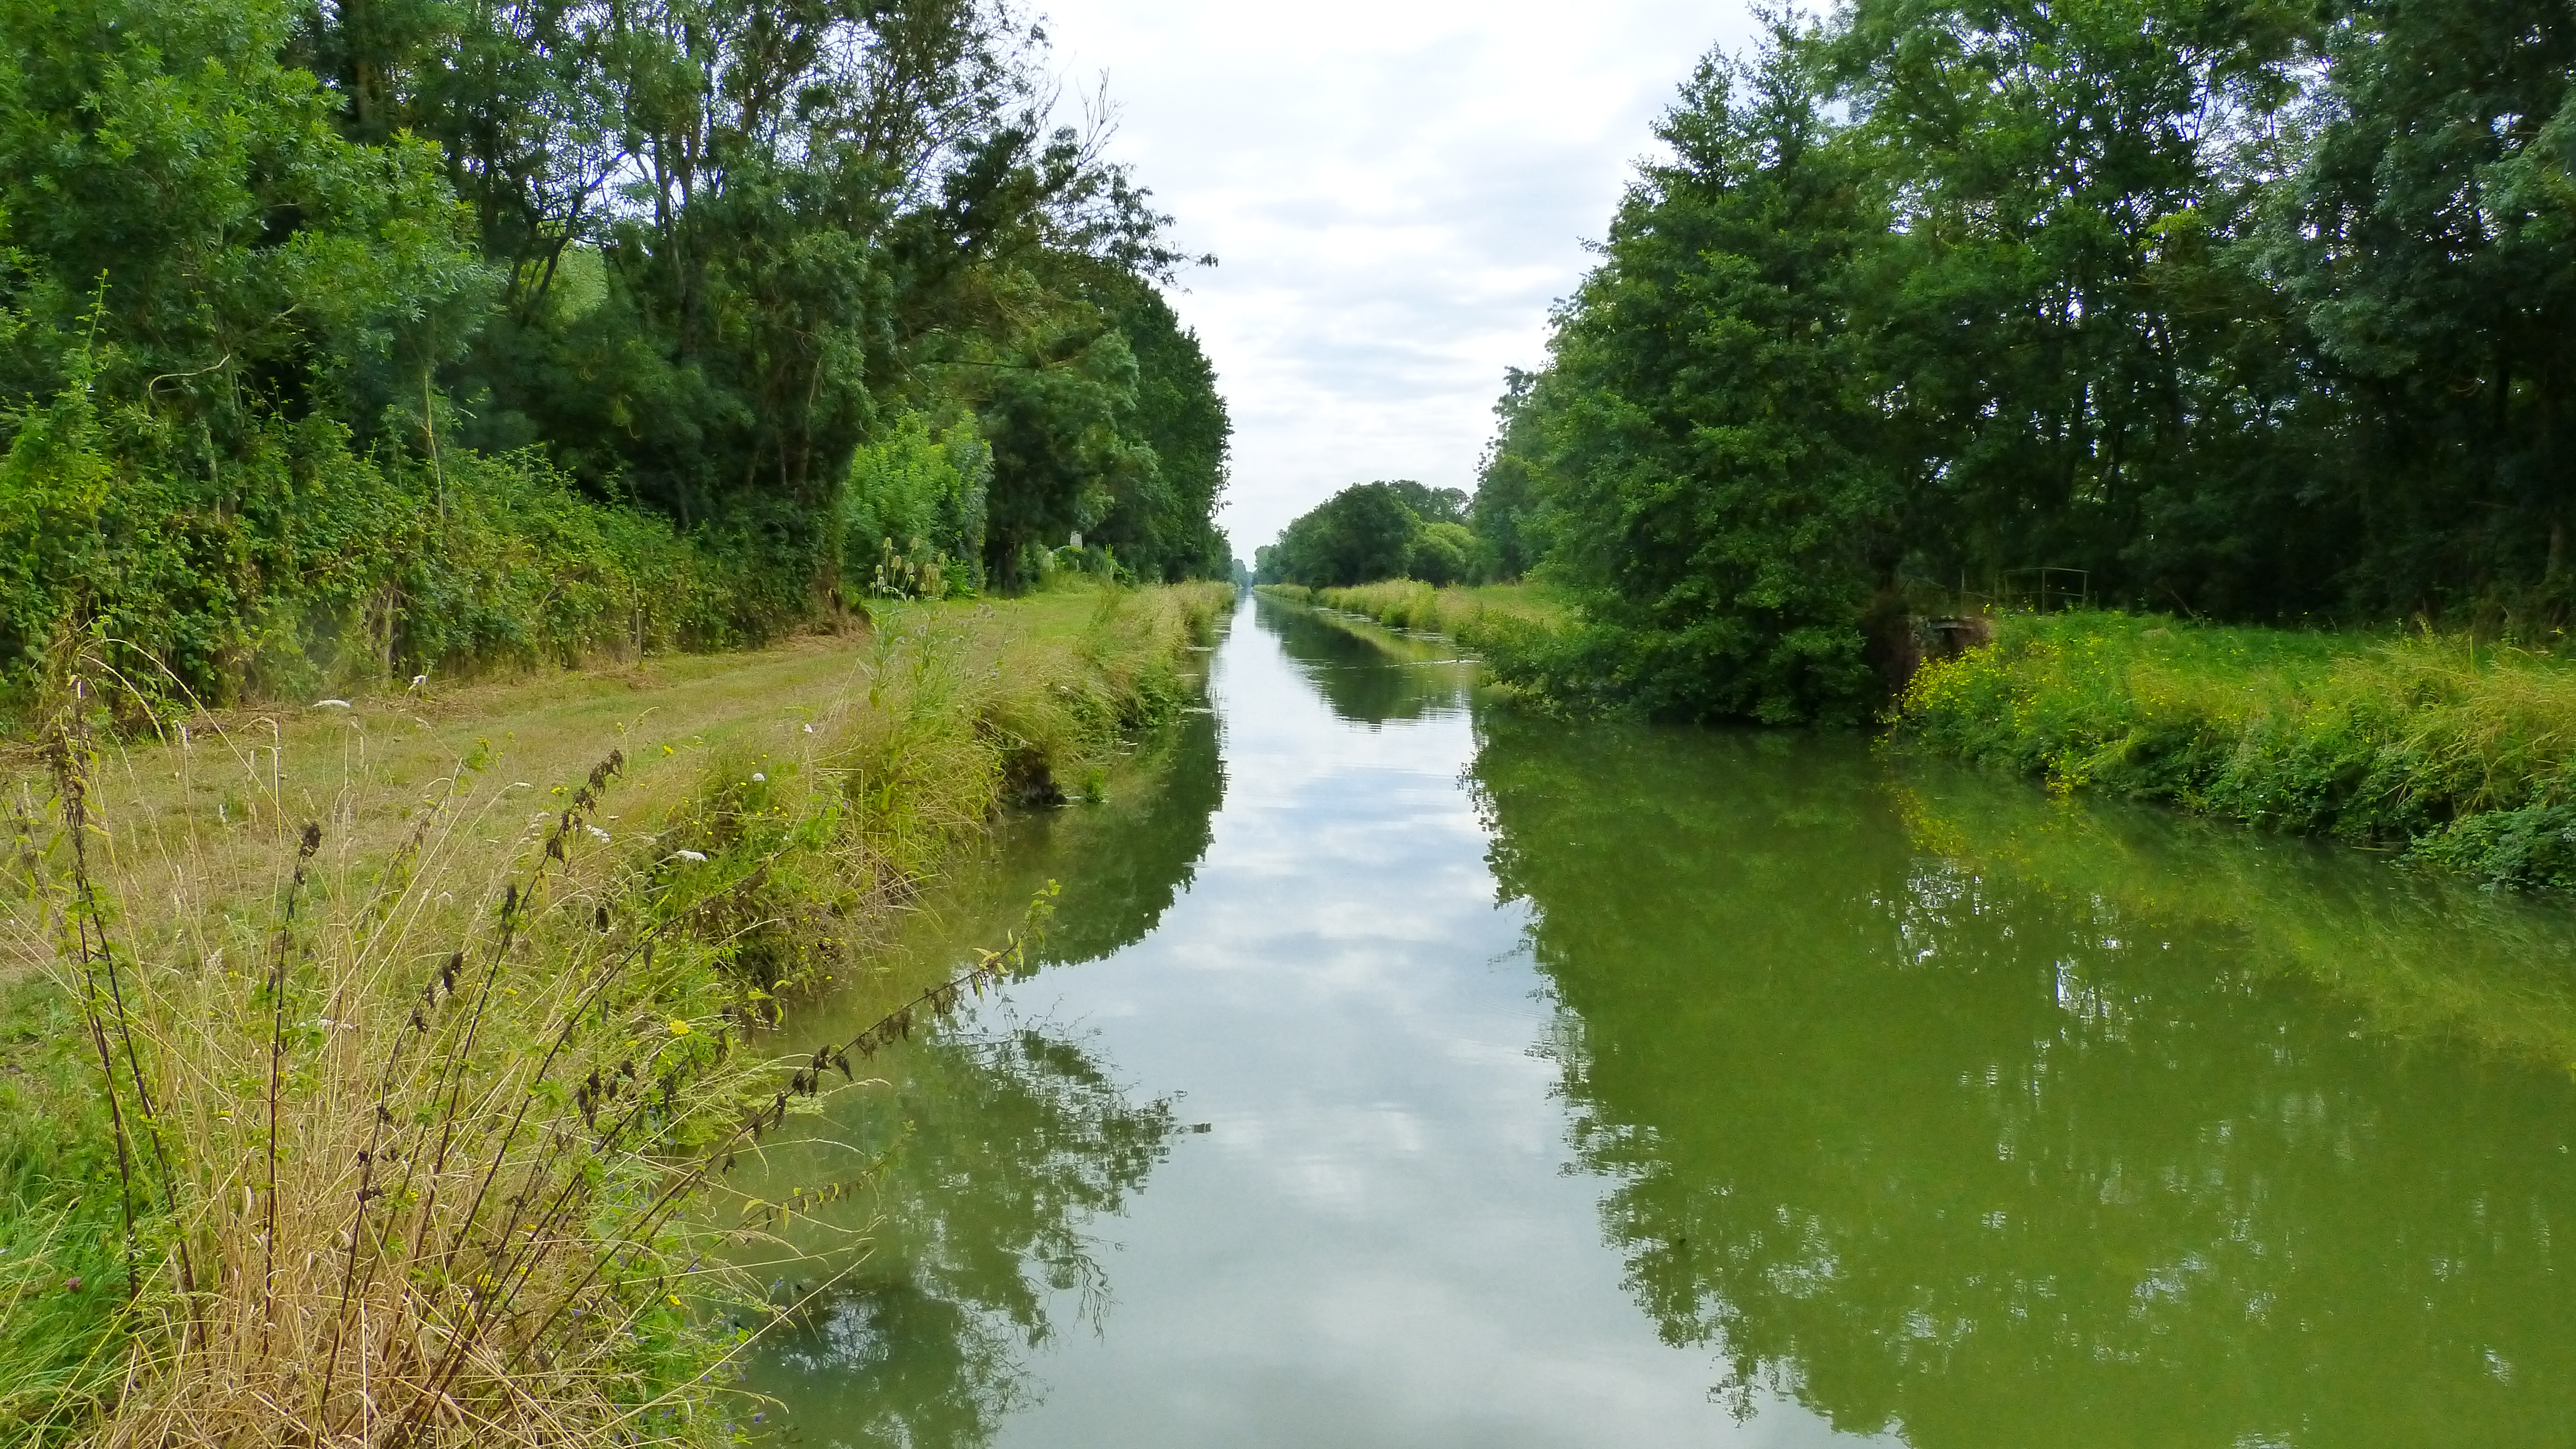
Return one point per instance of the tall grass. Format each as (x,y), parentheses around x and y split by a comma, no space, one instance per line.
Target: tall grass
(1471,614)
(2463,753)
(811,848)
(413,1146)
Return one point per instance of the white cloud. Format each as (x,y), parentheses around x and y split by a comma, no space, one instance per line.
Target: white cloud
(1397,192)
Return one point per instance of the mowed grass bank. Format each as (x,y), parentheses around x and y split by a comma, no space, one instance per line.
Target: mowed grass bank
(1472,614)
(367,1074)
(2459,753)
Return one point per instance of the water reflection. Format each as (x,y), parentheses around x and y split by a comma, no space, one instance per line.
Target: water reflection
(1354,666)
(1118,863)
(987,1155)
(994,1153)
(1992,1156)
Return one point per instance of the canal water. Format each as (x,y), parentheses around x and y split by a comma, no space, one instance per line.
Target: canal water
(1405,1071)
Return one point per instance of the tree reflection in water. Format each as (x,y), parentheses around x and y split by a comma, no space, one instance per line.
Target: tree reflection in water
(998,1151)
(1972,1156)
(1348,667)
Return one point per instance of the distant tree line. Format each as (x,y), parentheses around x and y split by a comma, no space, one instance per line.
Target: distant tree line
(2255,309)
(812,297)
(1372,531)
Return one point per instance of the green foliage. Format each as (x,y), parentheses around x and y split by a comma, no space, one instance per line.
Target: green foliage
(1713,502)
(915,497)
(1506,512)
(2261,310)
(1162,522)
(1372,531)
(348,341)
(253,256)
(305,566)
(62,1271)
(2462,752)
(2427,242)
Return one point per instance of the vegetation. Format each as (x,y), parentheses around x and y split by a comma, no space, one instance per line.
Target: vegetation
(381,1103)
(2258,310)
(2461,753)
(1373,531)
(1473,615)
(383,340)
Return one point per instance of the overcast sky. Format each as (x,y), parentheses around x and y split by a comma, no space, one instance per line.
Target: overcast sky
(1396,190)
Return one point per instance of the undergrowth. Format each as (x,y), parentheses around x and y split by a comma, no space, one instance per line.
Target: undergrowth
(2461,753)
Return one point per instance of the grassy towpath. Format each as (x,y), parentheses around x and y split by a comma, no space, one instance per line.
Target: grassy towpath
(524,938)
(246,779)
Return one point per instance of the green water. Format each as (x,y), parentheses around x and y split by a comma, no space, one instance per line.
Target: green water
(1405,1071)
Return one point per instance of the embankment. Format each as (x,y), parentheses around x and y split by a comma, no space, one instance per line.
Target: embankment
(377,1068)
(2460,754)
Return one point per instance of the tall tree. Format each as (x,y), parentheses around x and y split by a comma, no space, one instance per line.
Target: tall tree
(1718,503)
(2431,244)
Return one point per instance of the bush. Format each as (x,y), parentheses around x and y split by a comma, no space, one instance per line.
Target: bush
(304,565)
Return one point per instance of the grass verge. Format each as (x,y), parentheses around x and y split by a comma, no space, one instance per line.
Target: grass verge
(384,1109)
(2461,754)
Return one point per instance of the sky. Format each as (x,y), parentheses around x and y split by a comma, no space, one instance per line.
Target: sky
(1396,192)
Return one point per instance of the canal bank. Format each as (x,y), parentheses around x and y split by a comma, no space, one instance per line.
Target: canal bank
(1485,1080)
(347,1080)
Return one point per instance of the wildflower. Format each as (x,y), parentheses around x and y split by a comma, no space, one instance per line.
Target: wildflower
(758,778)
(680,1027)
(598,834)
(691,856)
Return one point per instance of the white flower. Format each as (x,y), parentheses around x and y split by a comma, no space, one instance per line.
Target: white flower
(598,834)
(330,704)
(691,856)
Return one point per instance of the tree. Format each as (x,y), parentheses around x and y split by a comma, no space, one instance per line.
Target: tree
(1717,505)
(2430,244)
(1367,532)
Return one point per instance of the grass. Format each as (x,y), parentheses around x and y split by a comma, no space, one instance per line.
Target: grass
(2458,752)
(365,1079)
(1471,614)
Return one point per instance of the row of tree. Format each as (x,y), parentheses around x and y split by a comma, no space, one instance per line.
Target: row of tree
(777,271)
(1372,531)
(2257,309)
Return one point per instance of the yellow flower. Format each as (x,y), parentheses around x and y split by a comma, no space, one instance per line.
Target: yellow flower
(679,1027)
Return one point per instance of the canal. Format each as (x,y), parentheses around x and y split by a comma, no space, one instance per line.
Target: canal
(1402,1070)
